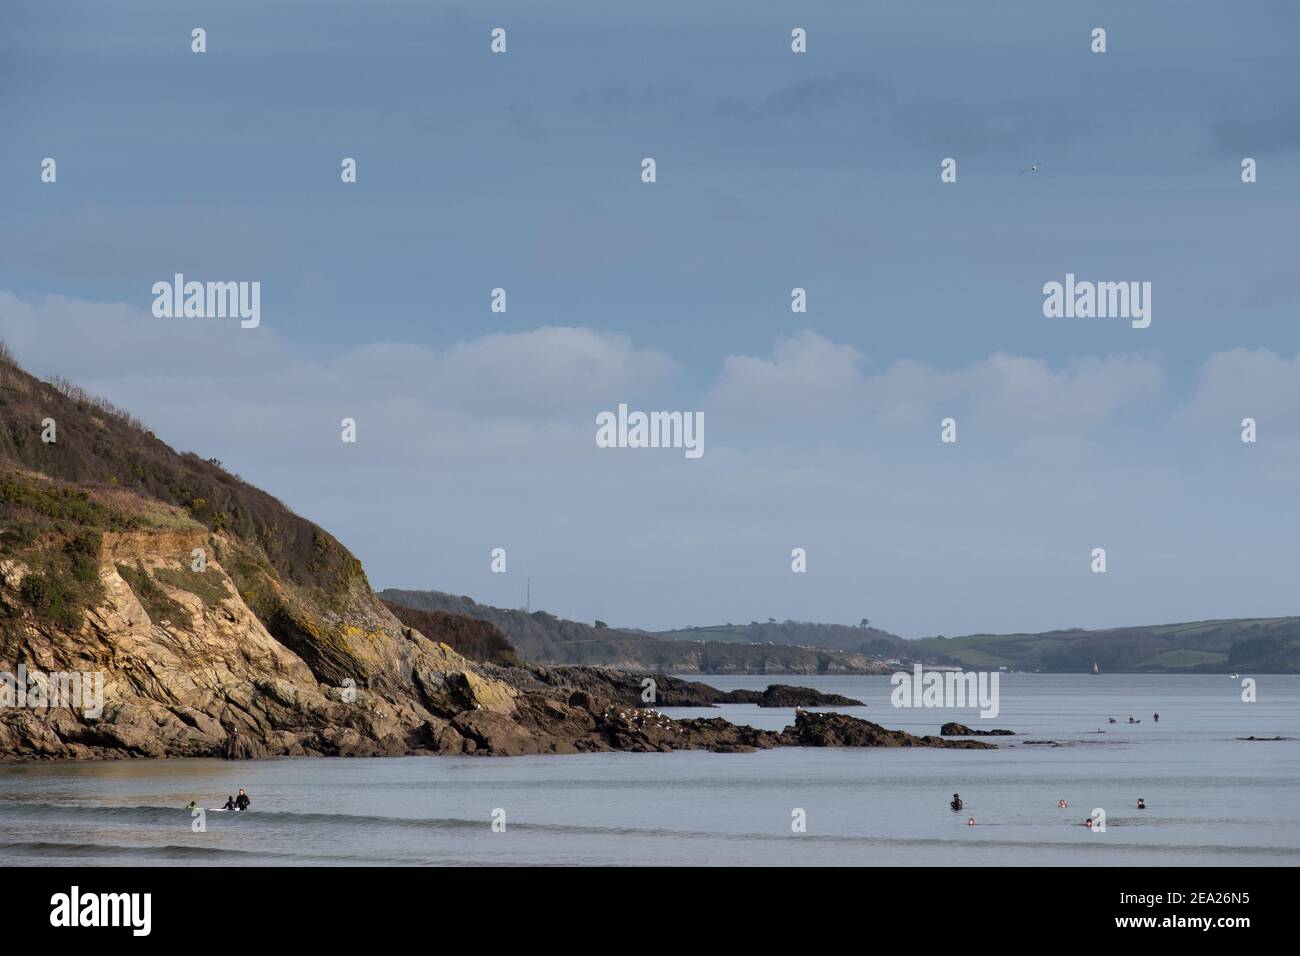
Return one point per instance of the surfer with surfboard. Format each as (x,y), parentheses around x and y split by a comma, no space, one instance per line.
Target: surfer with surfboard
(239,803)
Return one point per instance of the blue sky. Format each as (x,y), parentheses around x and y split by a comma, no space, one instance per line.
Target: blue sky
(775,170)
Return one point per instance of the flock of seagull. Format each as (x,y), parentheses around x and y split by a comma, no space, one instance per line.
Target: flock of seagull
(640,718)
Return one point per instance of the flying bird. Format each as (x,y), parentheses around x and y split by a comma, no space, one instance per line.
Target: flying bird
(1030,169)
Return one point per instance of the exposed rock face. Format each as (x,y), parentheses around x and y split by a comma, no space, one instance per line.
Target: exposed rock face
(242,747)
(451,692)
(198,674)
(954,729)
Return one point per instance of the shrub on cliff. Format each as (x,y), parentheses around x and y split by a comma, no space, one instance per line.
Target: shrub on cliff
(63,582)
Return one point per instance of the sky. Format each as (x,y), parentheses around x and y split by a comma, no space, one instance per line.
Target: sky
(820,170)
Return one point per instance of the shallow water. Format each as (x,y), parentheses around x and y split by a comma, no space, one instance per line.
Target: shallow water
(1212,799)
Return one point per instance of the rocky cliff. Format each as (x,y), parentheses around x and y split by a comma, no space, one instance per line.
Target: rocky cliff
(210,620)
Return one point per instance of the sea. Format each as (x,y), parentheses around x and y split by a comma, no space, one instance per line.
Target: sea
(1211,797)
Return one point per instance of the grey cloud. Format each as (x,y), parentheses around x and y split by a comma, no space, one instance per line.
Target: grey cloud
(1007,396)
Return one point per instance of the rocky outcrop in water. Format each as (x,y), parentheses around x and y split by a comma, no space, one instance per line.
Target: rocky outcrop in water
(783,695)
(630,688)
(954,729)
(838,730)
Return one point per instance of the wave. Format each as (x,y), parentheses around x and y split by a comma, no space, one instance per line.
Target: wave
(45,849)
(280,819)
(286,823)
(253,818)
(90,852)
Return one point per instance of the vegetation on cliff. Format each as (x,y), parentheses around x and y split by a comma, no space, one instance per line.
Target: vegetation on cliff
(467,636)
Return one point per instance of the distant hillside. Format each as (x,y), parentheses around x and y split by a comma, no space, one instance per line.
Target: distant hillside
(548,639)
(1260,645)
(858,640)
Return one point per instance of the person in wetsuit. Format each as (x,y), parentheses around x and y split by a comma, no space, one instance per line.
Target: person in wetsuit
(242,801)
(230,803)
(956,802)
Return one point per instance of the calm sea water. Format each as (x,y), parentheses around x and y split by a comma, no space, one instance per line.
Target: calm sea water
(1212,799)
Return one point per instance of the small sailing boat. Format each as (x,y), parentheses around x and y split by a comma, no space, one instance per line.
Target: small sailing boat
(1095,668)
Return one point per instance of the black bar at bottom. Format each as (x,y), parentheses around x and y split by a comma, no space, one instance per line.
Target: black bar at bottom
(205,907)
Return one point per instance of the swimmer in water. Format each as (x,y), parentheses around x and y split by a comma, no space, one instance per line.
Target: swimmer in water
(956,802)
(1088,823)
(1142,804)
(1062,804)
(970,822)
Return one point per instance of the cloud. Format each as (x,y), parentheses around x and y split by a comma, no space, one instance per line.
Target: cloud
(490,442)
(1014,392)
(248,396)
(547,371)
(550,371)
(808,377)
(806,373)
(1246,383)
(94,341)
